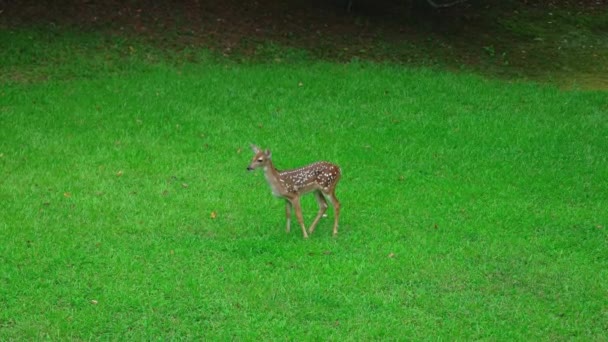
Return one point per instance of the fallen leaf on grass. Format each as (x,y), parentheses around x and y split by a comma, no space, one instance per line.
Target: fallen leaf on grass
(67,194)
(119,173)
(213,215)
(94,302)
(391,255)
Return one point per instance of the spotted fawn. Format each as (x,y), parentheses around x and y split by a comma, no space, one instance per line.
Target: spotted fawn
(320,178)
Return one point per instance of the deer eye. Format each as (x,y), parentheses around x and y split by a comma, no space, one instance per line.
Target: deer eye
(260,160)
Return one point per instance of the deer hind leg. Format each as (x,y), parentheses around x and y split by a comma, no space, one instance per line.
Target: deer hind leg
(336,204)
(322,208)
(296,204)
(288,207)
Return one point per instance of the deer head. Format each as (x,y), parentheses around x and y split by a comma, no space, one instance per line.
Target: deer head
(260,159)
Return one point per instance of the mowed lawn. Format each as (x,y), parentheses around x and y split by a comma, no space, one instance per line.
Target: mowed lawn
(471,208)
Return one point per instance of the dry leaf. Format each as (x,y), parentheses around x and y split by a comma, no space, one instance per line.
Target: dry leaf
(213,215)
(119,173)
(94,302)
(67,194)
(391,255)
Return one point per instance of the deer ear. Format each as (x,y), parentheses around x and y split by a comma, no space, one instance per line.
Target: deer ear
(254,148)
(268,153)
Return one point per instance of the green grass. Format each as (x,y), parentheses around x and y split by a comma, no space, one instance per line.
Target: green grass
(471,208)
(560,43)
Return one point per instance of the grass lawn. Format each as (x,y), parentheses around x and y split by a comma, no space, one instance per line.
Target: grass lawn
(471,208)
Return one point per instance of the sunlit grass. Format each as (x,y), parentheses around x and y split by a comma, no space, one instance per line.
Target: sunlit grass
(472,209)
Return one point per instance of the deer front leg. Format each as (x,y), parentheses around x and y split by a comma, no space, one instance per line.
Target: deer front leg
(288,214)
(322,208)
(296,204)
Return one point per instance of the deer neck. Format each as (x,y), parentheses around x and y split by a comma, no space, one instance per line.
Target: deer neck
(273,179)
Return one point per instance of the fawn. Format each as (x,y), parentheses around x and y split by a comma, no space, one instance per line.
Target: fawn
(320,178)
